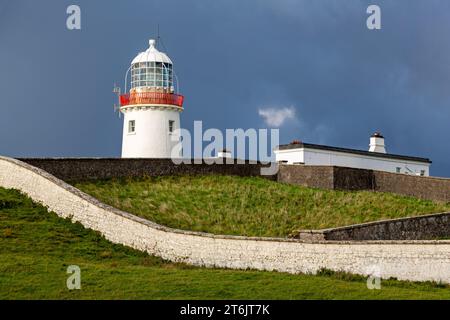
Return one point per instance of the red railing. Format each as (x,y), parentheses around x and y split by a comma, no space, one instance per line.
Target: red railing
(151,98)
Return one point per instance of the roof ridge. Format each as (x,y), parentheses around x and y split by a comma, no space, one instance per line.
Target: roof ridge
(354,151)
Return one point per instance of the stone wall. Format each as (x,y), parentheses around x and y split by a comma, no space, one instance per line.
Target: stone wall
(340,178)
(413,260)
(431,188)
(307,176)
(78,169)
(353,179)
(427,227)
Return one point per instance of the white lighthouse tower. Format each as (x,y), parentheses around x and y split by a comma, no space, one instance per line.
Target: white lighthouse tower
(151,108)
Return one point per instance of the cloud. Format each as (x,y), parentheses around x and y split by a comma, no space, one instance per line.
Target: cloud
(275,117)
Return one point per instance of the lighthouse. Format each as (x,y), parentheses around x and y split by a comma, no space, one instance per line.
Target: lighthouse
(151,108)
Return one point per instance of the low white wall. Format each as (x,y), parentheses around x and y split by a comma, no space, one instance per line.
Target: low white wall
(416,260)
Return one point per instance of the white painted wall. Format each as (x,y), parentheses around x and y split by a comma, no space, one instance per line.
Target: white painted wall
(317,157)
(151,138)
(292,156)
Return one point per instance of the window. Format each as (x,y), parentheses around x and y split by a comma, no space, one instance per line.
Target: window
(131,126)
(151,74)
(171,125)
(398,169)
(422,172)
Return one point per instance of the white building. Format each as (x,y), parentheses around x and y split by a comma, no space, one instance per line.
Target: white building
(375,159)
(152,108)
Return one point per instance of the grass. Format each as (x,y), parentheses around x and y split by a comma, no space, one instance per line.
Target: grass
(250,206)
(36,247)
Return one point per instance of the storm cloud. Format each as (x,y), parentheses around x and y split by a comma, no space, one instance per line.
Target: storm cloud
(231,58)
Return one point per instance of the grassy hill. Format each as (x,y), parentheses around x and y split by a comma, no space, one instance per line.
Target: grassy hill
(37,246)
(250,206)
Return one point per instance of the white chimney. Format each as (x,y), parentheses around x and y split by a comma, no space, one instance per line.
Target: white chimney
(377,143)
(224,154)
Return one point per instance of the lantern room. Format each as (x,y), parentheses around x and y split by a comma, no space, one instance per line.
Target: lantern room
(152,69)
(152,80)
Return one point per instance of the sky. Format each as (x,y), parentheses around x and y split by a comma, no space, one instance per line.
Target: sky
(311,68)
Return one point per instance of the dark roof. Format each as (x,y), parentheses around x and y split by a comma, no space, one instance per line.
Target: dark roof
(354,151)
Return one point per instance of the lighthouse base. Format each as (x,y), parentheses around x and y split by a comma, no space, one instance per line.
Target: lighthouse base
(150,132)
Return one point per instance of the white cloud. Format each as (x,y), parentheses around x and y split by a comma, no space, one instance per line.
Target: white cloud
(275,117)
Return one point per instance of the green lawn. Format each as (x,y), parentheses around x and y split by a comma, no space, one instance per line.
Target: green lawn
(37,246)
(250,206)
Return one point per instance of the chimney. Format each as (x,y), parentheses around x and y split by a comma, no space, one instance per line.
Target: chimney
(377,143)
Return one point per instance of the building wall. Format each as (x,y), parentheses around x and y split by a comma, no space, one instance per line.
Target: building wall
(313,157)
(291,156)
(416,261)
(151,138)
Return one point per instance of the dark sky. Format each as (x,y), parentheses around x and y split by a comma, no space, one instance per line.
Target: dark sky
(314,59)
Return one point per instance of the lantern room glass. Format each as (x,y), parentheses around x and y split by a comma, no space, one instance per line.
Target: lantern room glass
(152,74)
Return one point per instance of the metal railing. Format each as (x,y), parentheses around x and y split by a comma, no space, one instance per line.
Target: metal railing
(151,98)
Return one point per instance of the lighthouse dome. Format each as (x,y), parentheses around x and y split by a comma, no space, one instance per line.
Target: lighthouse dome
(152,55)
(152,70)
